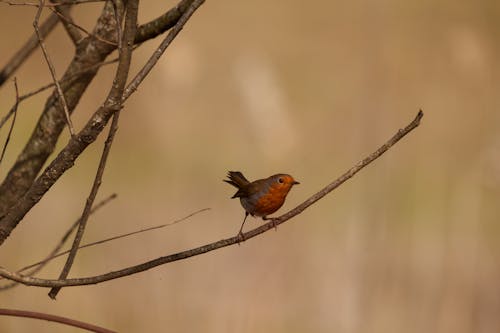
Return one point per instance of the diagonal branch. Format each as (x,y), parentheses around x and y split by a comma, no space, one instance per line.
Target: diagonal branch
(31,44)
(161,24)
(63,12)
(145,32)
(54,255)
(62,99)
(69,24)
(55,4)
(31,281)
(90,201)
(51,123)
(115,96)
(90,55)
(132,87)
(55,319)
(76,145)
(12,123)
(68,80)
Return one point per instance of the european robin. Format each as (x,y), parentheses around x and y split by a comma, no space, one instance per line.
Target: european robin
(261,197)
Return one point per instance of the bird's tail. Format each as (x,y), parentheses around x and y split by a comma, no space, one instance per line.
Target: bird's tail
(236,179)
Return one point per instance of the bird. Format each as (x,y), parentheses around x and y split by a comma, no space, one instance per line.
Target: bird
(260,197)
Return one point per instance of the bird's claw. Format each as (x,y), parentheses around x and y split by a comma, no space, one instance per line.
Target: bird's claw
(273,222)
(240,237)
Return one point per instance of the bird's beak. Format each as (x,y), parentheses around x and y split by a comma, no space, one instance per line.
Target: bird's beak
(295,182)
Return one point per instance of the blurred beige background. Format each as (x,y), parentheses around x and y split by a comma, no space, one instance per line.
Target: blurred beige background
(411,244)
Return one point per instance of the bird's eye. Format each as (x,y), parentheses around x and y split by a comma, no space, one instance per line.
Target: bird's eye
(280,180)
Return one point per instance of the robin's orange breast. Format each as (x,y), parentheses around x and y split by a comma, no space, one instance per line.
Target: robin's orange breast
(270,201)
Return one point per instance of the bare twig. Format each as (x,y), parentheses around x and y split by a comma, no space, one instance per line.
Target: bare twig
(89,55)
(54,253)
(63,12)
(136,81)
(11,124)
(162,23)
(54,4)
(20,56)
(118,9)
(70,22)
(54,318)
(73,227)
(16,210)
(116,98)
(62,99)
(88,204)
(156,227)
(68,80)
(145,32)
(224,242)
(41,144)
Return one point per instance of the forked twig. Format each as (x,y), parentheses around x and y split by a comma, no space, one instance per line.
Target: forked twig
(224,242)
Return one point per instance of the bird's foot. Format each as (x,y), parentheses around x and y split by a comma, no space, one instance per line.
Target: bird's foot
(240,237)
(273,221)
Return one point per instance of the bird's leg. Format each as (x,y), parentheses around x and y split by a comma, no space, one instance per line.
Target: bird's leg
(240,233)
(265,218)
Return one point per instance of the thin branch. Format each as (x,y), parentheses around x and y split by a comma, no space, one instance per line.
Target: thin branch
(55,4)
(68,80)
(132,87)
(161,24)
(224,242)
(72,228)
(71,29)
(55,319)
(24,52)
(54,253)
(145,32)
(52,121)
(12,123)
(74,2)
(88,204)
(70,22)
(118,10)
(90,53)
(65,159)
(62,99)
(115,96)
(156,227)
